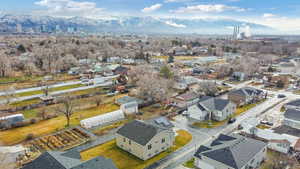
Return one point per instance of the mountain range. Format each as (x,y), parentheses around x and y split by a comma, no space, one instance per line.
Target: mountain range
(148,24)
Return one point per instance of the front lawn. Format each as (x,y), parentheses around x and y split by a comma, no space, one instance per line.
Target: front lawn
(125,160)
(190,163)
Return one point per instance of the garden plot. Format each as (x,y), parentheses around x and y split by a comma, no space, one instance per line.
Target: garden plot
(63,140)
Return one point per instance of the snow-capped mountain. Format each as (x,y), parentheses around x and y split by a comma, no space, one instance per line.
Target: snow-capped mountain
(129,24)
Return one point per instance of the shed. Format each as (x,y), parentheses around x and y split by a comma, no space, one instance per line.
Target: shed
(130,108)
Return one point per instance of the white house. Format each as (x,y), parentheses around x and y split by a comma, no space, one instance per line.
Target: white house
(282,146)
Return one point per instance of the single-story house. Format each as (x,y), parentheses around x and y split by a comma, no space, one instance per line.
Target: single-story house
(68,160)
(231,152)
(246,95)
(219,109)
(186,99)
(292,118)
(145,139)
(282,146)
(130,108)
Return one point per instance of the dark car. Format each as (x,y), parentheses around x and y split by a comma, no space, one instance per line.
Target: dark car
(281,96)
(231,120)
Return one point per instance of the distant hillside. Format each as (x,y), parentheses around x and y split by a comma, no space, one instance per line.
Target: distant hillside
(129,24)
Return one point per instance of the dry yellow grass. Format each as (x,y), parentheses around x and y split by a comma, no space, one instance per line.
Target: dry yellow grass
(17,135)
(125,160)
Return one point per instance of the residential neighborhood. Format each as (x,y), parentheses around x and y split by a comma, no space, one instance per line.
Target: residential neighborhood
(165,84)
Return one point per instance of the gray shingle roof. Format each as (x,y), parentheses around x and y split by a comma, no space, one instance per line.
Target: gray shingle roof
(234,151)
(139,131)
(68,160)
(294,103)
(247,91)
(293,114)
(213,103)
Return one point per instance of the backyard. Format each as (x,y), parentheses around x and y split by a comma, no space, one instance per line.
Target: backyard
(17,135)
(125,160)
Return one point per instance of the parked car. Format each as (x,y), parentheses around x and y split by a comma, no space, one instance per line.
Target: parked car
(281,96)
(231,120)
(264,122)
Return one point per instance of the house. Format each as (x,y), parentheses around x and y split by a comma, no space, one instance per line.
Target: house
(186,99)
(130,108)
(292,118)
(238,76)
(218,109)
(246,95)
(280,81)
(295,104)
(282,146)
(231,152)
(68,160)
(145,139)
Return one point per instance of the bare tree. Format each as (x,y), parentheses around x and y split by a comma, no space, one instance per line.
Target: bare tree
(98,100)
(67,108)
(9,94)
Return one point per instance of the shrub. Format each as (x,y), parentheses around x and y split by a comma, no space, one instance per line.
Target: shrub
(29,136)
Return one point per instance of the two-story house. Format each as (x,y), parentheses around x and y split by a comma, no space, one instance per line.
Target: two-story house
(211,108)
(231,152)
(146,139)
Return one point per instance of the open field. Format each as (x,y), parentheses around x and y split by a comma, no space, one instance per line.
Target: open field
(21,81)
(125,160)
(17,135)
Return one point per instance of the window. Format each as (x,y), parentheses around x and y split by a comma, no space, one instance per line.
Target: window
(163,140)
(149,146)
(129,142)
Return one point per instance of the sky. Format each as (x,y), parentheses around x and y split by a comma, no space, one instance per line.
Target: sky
(283,15)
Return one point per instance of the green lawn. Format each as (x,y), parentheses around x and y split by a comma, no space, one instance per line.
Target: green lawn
(125,160)
(261,126)
(190,163)
(25,102)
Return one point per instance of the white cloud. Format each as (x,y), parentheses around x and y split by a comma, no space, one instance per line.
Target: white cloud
(268,15)
(175,24)
(69,8)
(171,1)
(152,8)
(208,9)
